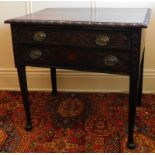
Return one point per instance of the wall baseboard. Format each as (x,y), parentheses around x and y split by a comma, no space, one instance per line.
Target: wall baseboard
(68,80)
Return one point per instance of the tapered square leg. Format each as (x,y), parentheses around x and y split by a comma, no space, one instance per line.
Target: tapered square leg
(140,89)
(24,91)
(53,81)
(132,109)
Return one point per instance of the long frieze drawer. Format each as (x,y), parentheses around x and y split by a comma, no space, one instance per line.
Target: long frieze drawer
(62,56)
(101,39)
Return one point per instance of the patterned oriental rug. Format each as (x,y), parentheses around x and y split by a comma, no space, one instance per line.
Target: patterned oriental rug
(74,122)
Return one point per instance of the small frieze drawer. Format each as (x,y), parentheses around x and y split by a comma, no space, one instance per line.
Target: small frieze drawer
(99,39)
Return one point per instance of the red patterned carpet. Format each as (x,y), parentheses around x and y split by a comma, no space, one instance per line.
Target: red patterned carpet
(74,122)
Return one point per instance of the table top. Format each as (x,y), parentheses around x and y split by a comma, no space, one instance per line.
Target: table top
(122,17)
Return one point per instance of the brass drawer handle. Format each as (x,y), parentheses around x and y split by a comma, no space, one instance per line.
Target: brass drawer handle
(102,40)
(35,54)
(110,60)
(39,36)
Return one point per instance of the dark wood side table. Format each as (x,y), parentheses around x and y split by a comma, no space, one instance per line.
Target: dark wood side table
(107,40)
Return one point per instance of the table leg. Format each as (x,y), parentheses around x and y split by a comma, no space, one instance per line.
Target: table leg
(140,89)
(53,81)
(132,109)
(24,91)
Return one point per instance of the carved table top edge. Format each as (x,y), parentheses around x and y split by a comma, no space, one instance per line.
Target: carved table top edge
(89,20)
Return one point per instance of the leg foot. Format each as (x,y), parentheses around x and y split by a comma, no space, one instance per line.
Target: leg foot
(131,145)
(28,127)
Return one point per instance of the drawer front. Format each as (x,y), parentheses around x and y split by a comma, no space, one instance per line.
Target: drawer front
(75,58)
(100,39)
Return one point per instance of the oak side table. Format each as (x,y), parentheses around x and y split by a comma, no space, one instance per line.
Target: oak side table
(105,40)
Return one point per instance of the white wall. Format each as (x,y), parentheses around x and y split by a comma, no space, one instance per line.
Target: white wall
(70,80)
